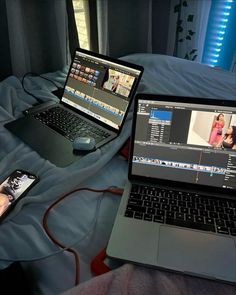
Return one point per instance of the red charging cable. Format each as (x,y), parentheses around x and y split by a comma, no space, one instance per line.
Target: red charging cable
(112,190)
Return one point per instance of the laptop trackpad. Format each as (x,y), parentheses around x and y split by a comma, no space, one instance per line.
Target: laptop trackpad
(194,252)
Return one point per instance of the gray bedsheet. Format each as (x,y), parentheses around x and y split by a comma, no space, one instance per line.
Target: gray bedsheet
(85,219)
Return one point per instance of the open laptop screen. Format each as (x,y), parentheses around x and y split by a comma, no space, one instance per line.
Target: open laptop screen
(100,87)
(192,143)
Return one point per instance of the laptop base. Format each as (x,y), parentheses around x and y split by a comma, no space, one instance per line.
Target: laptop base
(49,144)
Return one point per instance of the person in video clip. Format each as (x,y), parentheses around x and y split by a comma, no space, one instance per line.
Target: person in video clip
(5,200)
(111,81)
(229,139)
(216,131)
(115,83)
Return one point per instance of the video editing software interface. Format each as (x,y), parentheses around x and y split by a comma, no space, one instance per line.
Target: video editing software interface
(184,142)
(100,88)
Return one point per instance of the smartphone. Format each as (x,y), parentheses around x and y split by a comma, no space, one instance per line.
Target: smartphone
(13,188)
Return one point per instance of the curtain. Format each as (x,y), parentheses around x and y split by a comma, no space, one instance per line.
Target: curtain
(187,28)
(35,35)
(122,27)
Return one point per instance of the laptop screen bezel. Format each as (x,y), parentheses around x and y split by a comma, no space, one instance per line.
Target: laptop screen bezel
(109,59)
(170,183)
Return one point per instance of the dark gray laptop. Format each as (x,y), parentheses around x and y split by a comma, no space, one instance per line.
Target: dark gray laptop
(97,94)
(178,210)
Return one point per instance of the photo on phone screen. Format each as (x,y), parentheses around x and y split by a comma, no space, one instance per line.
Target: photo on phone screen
(18,183)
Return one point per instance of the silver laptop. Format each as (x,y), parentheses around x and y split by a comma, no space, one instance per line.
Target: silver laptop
(178,210)
(95,101)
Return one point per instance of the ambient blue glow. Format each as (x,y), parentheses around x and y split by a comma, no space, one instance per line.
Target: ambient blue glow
(217,28)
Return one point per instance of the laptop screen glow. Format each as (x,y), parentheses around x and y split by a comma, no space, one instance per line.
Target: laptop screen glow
(100,88)
(185,142)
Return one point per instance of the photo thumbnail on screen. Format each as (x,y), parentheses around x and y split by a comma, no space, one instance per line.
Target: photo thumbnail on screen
(117,82)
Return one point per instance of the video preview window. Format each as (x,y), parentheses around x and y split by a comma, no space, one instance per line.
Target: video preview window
(217,130)
(118,82)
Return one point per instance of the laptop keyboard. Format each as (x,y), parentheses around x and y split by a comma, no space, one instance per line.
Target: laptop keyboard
(182,209)
(70,125)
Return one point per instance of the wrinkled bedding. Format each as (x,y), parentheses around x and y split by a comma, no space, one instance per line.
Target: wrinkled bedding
(84,219)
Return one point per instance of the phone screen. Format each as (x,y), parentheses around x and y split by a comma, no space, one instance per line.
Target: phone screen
(18,183)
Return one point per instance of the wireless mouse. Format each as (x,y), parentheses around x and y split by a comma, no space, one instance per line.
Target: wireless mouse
(84,144)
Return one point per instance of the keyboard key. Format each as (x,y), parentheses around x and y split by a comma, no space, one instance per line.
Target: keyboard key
(220,209)
(180,216)
(222,230)
(129,213)
(233,231)
(184,210)
(193,211)
(186,198)
(229,211)
(231,224)
(135,196)
(174,208)
(209,220)
(135,202)
(147,204)
(232,204)
(223,216)
(173,202)
(156,205)
(210,208)
(191,205)
(135,188)
(232,217)
(151,211)
(163,200)
(223,203)
(213,215)
(147,217)
(189,224)
(146,198)
(160,212)
(182,204)
(213,202)
(177,197)
(136,208)
(205,201)
(158,218)
(138,215)
(220,222)
(200,206)
(199,219)
(165,207)
(190,218)
(170,214)
(203,213)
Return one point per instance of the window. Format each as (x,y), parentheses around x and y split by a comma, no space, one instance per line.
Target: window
(220,45)
(79,9)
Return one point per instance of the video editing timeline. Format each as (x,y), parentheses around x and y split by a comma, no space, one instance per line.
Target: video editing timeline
(161,149)
(100,88)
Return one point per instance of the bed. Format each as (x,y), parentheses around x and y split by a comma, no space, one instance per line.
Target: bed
(84,220)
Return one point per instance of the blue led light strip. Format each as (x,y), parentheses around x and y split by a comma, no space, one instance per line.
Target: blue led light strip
(217,27)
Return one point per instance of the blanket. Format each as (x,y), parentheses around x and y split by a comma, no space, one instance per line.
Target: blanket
(134,280)
(85,219)
(24,221)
